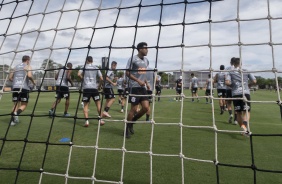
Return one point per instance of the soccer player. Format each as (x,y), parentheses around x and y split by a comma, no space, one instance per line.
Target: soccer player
(229,95)
(194,87)
(89,75)
(20,76)
(240,89)
(158,86)
(136,72)
(178,87)
(108,89)
(120,90)
(62,89)
(209,82)
(219,79)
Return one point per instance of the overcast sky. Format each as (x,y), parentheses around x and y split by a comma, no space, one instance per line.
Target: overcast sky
(256,57)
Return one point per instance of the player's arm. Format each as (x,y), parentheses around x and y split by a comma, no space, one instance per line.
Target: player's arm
(110,81)
(80,74)
(215,79)
(69,77)
(227,80)
(11,75)
(132,77)
(29,74)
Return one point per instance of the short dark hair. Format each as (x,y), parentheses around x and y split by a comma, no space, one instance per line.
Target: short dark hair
(209,75)
(221,67)
(192,74)
(25,58)
(114,62)
(69,65)
(236,61)
(232,60)
(89,59)
(141,45)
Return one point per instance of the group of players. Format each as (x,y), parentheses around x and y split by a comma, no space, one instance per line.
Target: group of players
(232,85)
(137,85)
(138,81)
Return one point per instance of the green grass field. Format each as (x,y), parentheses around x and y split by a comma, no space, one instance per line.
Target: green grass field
(202,144)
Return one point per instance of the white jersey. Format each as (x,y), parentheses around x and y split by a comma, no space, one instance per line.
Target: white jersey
(89,76)
(111,76)
(120,83)
(62,78)
(229,68)
(137,67)
(194,82)
(238,83)
(20,79)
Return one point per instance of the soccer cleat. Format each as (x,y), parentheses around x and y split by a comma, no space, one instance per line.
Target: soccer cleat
(16,119)
(235,122)
(106,114)
(66,115)
(222,111)
(51,113)
(82,105)
(130,127)
(121,110)
(230,119)
(86,124)
(13,123)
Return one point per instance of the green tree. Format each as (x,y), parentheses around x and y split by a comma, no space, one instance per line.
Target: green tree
(51,67)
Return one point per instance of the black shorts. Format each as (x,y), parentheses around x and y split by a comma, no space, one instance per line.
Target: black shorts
(62,92)
(23,96)
(120,91)
(228,93)
(90,93)
(208,92)
(221,93)
(194,90)
(240,105)
(178,90)
(149,92)
(158,89)
(137,99)
(109,93)
(125,92)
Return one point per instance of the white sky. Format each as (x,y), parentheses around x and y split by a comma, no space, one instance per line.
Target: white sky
(255,57)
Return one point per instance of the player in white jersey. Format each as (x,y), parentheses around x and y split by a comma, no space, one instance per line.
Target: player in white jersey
(108,89)
(240,89)
(136,72)
(158,86)
(62,78)
(229,95)
(89,75)
(20,76)
(219,79)
(209,82)
(120,90)
(194,87)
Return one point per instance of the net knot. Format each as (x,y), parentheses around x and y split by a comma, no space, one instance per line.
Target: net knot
(215,162)
(269,17)
(180,124)
(254,167)
(237,19)
(181,155)
(150,153)
(270,43)
(123,149)
(240,43)
(96,147)
(274,70)
(66,175)
(93,178)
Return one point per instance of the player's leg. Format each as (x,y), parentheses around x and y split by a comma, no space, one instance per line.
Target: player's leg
(58,97)
(67,103)
(86,99)
(110,98)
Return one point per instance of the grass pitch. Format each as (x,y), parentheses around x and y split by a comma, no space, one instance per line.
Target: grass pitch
(197,143)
